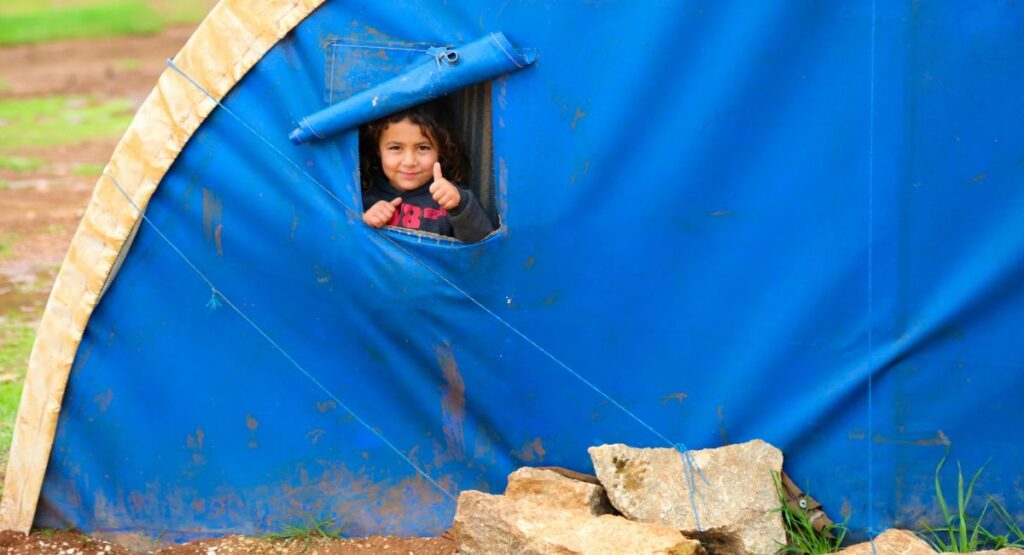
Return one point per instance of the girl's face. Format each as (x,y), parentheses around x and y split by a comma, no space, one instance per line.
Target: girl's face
(407,156)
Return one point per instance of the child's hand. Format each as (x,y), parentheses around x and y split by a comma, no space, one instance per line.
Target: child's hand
(446,194)
(381,212)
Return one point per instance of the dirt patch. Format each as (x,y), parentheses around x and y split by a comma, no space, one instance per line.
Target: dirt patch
(39,213)
(117,67)
(73,543)
(257,546)
(40,208)
(38,216)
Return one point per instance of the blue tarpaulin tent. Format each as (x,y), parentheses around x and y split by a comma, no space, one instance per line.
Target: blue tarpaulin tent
(795,221)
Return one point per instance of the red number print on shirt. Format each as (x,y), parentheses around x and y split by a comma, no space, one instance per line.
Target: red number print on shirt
(410,216)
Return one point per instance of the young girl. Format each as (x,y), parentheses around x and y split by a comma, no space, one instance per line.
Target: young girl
(409,163)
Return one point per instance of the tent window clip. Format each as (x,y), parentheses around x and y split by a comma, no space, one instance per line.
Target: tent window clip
(444,54)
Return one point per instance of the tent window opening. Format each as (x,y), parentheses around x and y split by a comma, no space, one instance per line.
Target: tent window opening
(465,118)
(368,82)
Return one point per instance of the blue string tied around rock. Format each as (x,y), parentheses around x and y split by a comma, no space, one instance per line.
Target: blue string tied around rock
(691,472)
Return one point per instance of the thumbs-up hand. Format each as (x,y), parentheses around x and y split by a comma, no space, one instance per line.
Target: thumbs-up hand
(446,194)
(381,212)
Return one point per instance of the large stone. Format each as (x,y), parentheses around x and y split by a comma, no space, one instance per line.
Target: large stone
(487,524)
(903,542)
(734,493)
(892,542)
(556,489)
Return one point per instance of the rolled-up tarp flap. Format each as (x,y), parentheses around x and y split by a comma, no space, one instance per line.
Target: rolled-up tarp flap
(448,70)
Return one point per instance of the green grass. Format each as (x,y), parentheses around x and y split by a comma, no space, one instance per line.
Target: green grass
(24,22)
(19,163)
(56,120)
(182,11)
(16,337)
(313,530)
(1015,534)
(127,64)
(88,169)
(17,334)
(800,532)
(31,21)
(7,241)
(50,533)
(961,532)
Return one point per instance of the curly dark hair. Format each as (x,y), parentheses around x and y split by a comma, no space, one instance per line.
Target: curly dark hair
(435,123)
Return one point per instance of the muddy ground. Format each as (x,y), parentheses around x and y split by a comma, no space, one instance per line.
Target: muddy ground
(42,207)
(73,543)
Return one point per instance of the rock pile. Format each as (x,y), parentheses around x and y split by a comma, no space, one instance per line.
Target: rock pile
(643,501)
(640,502)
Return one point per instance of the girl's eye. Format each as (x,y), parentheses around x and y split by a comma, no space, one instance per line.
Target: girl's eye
(425,148)
(394,148)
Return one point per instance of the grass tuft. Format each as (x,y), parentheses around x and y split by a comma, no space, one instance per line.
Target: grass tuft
(313,530)
(182,11)
(16,337)
(7,242)
(49,533)
(127,64)
(961,532)
(19,163)
(58,120)
(800,531)
(88,169)
(1015,534)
